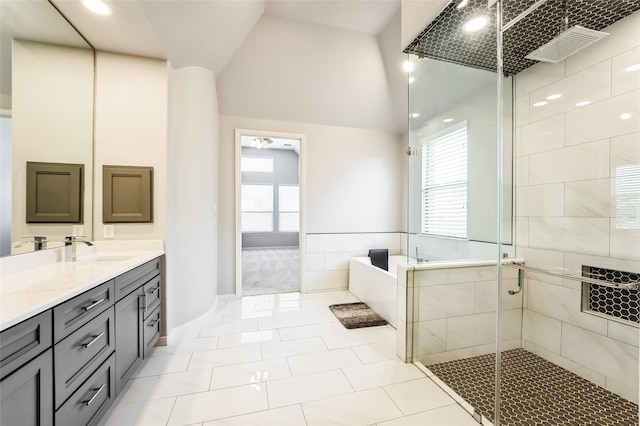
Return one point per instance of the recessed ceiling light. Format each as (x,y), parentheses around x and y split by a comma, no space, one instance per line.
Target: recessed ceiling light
(462,4)
(98,6)
(407,66)
(447,120)
(583,103)
(475,24)
(632,68)
(555,96)
(415,115)
(625,116)
(541,103)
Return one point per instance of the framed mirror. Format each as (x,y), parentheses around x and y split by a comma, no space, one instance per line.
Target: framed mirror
(46,115)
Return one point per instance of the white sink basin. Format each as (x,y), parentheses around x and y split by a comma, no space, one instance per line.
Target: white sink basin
(102,258)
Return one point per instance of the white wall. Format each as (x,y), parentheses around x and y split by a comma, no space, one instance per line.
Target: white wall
(566,216)
(416,15)
(131,101)
(52,122)
(192,195)
(352,183)
(294,71)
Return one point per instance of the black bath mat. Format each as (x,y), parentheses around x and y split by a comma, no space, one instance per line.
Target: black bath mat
(356,315)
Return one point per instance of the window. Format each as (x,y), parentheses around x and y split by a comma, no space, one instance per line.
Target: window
(256,164)
(257,208)
(626,196)
(289,208)
(444,183)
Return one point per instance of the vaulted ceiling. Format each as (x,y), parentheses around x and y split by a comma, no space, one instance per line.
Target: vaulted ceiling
(208,32)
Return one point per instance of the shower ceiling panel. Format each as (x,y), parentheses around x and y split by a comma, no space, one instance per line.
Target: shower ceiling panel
(443,39)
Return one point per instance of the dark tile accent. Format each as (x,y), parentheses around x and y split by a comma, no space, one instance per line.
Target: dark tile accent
(534,391)
(443,39)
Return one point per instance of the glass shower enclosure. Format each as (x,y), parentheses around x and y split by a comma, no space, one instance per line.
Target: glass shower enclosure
(524,209)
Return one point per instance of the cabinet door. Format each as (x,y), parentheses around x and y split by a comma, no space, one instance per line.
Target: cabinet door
(27,394)
(129,337)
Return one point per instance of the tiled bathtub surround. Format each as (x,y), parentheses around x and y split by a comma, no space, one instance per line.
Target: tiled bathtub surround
(328,255)
(571,209)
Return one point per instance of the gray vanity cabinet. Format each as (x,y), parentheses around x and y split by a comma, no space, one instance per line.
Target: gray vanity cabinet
(26,372)
(68,363)
(138,299)
(26,394)
(129,337)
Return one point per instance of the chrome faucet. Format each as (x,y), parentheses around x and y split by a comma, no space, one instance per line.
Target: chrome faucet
(39,243)
(72,241)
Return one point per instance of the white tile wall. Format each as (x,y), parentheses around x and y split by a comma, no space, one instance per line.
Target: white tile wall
(566,160)
(456,310)
(327,256)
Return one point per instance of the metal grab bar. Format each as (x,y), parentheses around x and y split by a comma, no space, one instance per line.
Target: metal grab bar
(626,286)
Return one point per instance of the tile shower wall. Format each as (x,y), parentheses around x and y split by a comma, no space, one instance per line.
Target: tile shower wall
(454,312)
(567,212)
(327,256)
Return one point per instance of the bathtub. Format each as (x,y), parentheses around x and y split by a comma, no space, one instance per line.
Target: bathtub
(376,287)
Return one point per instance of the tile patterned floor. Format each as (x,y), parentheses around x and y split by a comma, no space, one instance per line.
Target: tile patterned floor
(281,360)
(534,392)
(270,271)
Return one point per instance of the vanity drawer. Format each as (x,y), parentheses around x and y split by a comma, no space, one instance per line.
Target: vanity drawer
(151,330)
(152,296)
(77,356)
(130,281)
(89,403)
(73,314)
(23,342)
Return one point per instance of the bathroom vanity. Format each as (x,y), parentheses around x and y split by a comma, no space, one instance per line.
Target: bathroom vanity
(73,333)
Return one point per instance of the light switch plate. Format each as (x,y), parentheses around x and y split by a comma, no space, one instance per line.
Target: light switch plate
(109,231)
(78,231)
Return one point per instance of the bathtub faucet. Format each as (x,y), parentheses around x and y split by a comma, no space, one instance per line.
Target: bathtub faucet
(418,258)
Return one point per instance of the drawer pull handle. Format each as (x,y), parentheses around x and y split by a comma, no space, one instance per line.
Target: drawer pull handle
(154,290)
(144,306)
(153,323)
(93,340)
(93,305)
(97,391)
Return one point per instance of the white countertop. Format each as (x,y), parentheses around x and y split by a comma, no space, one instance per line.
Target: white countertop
(25,292)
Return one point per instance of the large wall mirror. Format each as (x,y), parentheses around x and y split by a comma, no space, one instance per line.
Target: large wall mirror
(46,113)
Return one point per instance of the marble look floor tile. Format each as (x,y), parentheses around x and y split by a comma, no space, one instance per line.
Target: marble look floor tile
(361,336)
(147,413)
(249,372)
(231,328)
(162,364)
(307,388)
(418,395)
(218,404)
(283,320)
(219,357)
(188,346)
(289,416)
(239,339)
(166,385)
(451,415)
(322,361)
(382,373)
(292,348)
(375,352)
(305,331)
(359,408)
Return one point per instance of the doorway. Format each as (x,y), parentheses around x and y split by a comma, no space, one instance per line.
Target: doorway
(269,214)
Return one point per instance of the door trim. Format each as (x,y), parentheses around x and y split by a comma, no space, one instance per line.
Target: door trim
(238,181)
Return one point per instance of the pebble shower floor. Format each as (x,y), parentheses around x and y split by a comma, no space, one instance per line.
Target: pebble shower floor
(534,391)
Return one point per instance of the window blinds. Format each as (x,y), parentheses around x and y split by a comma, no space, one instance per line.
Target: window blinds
(444,183)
